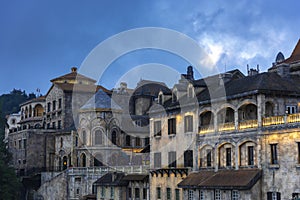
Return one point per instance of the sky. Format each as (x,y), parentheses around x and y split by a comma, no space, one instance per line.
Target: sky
(41,40)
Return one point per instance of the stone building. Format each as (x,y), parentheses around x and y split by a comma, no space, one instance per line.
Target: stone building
(229,136)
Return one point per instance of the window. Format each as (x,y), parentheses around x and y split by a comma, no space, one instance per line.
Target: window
(53,125)
(114,137)
(137,141)
(188,123)
(217,195)
(103,192)
(298,144)
(112,192)
(168,193)
(147,141)
(273,196)
(128,140)
(59,103)
(25,143)
(201,195)
(98,137)
(129,193)
(158,193)
(49,107)
(76,141)
(157,160)
(172,159)
(191,195)
(20,144)
(190,92)
(235,195)
(188,158)
(171,126)
(48,125)
(83,137)
(177,194)
(54,105)
(274,154)
(160,99)
(295,196)
(208,158)
(228,157)
(250,155)
(61,142)
(59,124)
(137,193)
(157,128)
(144,193)
(291,109)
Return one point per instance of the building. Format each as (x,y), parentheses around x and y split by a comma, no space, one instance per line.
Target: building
(229,136)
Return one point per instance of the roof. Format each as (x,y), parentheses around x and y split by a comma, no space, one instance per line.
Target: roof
(242,179)
(101,100)
(136,177)
(295,56)
(112,179)
(74,75)
(38,99)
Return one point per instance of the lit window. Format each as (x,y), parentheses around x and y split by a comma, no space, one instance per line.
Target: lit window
(188,123)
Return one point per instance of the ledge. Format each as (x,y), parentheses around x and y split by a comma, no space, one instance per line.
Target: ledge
(274,166)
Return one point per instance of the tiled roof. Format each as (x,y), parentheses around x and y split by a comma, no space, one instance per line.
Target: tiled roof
(295,56)
(112,179)
(242,179)
(73,76)
(136,177)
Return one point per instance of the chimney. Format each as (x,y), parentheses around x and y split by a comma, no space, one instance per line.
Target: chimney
(74,69)
(190,73)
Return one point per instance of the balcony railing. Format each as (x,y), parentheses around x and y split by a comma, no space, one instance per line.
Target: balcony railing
(226,126)
(105,169)
(250,124)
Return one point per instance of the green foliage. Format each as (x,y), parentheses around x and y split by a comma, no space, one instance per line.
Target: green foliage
(9,183)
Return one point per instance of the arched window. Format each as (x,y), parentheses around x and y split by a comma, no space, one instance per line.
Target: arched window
(83,160)
(114,137)
(84,137)
(98,137)
(128,141)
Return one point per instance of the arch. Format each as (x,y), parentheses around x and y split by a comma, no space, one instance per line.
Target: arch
(206,118)
(65,162)
(226,155)
(225,115)
(245,102)
(247,153)
(83,160)
(206,156)
(98,137)
(269,109)
(247,112)
(37,126)
(38,110)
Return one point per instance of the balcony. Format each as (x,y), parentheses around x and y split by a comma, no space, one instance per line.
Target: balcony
(252,124)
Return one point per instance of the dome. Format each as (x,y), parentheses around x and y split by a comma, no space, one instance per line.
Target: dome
(279,57)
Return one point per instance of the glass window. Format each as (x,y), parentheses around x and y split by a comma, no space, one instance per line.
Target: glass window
(217,195)
(250,155)
(168,193)
(59,103)
(235,195)
(188,158)
(129,193)
(157,160)
(298,144)
(98,137)
(172,159)
(54,105)
(137,142)
(177,194)
(208,158)
(228,157)
(103,192)
(137,193)
(144,193)
(191,195)
(201,195)
(188,123)
(112,193)
(157,128)
(158,193)
(274,154)
(171,126)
